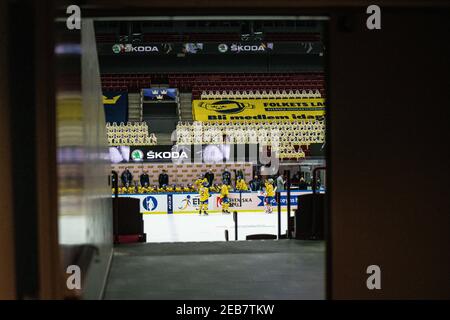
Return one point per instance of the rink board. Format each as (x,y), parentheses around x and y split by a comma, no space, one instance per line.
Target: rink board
(184,203)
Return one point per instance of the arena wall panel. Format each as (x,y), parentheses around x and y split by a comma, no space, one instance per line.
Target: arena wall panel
(84,197)
(183,173)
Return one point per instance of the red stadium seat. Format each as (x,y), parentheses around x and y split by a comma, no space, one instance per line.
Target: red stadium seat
(219,82)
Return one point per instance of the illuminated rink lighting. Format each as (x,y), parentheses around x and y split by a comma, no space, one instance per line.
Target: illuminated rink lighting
(191,227)
(195,228)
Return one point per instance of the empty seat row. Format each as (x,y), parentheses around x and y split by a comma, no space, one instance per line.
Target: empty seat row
(147,141)
(276,133)
(213,82)
(289,94)
(130,133)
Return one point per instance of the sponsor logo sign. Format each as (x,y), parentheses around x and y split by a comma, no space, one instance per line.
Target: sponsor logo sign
(226,106)
(262,47)
(267,110)
(245,47)
(152,154)
(168,203)
(130,48)
(211,48)
(149,203)
(168,155)
(222,47)
(137,155)
(186,202)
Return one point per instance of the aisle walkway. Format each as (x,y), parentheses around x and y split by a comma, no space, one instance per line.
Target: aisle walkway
(286,269)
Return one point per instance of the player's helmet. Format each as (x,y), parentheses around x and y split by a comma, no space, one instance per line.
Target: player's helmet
(270,180)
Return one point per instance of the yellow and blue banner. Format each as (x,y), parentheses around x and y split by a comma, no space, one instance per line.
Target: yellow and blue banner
(259,110)
(116,106)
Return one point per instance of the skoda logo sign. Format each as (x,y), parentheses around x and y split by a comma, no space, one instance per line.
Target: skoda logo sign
(223,47)
(150,203)
(129,48)
(116,48)
(167,155)
(137,155)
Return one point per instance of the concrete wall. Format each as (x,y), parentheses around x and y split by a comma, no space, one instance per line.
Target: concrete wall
(85,204)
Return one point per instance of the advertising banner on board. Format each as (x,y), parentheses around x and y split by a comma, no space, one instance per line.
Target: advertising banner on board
(259,110)
(153,203)
(210,153)
(135,154)
(212,48)
(178,203)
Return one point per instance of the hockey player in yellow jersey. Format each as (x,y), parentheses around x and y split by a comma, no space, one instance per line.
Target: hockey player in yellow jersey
(224,192)
(269,195)
(199,182)
(204,196)
(241,185)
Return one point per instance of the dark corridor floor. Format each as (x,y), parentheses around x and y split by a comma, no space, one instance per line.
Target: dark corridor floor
(286,269)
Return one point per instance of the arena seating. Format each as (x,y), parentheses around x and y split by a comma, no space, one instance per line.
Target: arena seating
(209,86)
(290,94)
(210,37)
(197,83)
(282,136)
(293,37)
(290,151)
(129,134)
(245,82)
(125,82)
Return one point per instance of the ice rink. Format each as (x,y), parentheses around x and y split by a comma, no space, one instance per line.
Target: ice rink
(192,227)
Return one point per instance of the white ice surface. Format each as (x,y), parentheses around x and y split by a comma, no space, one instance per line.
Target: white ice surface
(192,227)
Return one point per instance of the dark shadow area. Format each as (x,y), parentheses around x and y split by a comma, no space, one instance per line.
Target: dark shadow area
(284,269)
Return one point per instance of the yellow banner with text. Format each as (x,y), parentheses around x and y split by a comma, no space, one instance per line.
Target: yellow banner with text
(259,110)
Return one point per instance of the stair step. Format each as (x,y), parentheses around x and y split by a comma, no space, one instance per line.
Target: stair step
(186,106)
(134,107)
(164,138)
